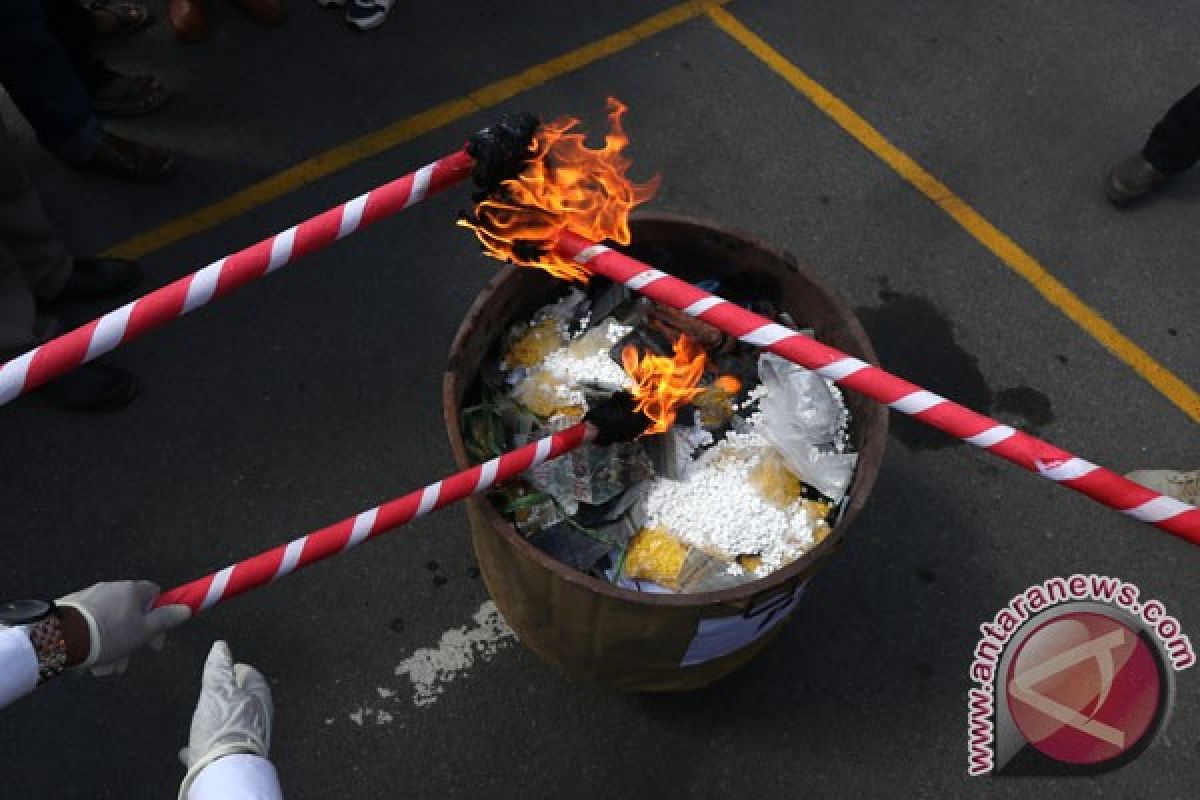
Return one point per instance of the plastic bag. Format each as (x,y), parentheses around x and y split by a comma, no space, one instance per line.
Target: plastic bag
(566,310)
(600,339)
(546,395)
(572,546)
(658,556)
(592,474)
(672,453)
(802,418)
(531,347)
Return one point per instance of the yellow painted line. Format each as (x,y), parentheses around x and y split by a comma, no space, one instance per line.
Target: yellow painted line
(987,234)
(371,144)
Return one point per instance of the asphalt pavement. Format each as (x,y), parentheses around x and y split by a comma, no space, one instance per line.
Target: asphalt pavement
(316,393)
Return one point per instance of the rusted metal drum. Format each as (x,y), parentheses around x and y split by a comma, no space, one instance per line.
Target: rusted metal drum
(631,640)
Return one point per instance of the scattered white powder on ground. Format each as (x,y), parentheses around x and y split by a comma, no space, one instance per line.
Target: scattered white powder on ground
(363,714)
(431,668)
(719,511)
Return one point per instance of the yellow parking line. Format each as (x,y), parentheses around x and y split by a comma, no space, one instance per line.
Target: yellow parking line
(987,234)
(376,142)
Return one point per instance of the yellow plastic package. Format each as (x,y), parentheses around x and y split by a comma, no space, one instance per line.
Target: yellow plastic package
(656,555)
(774,481)
(538,341)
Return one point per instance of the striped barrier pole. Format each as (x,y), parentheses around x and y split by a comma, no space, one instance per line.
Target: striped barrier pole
(1030,452)
(270,566)
(60,355)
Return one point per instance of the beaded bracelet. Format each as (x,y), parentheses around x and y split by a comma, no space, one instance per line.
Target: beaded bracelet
(46,636)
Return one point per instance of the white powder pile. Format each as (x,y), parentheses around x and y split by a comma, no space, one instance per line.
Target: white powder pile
(587,359)
(719,511)
(842,438)
(598,368)
(430,668)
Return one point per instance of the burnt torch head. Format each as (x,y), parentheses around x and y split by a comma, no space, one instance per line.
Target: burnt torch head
(501,151)
(615,420)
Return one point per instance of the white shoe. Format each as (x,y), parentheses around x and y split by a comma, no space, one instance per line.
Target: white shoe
(331,3)
(1183,486)
(368,14)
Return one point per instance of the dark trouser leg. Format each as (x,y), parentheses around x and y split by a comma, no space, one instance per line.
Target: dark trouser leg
(1174,144)
(75,28)
(33,258)
(17,308)
(37,72)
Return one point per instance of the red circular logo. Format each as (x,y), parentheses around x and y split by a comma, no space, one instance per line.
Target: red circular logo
(1084,688)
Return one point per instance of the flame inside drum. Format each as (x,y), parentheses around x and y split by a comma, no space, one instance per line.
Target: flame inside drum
(664,383)
(728,384)
(565,186)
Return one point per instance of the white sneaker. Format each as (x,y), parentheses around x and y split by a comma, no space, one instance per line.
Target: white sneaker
(1183,486)
(368,14)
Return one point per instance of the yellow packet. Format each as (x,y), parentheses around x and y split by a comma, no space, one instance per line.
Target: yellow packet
(656,555)
(535,344)
(774,481)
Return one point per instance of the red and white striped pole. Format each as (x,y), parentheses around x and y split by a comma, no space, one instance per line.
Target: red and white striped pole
(1035,455)
(268,567)
(64,353)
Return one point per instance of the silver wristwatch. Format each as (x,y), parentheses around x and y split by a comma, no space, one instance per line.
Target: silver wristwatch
(39,619)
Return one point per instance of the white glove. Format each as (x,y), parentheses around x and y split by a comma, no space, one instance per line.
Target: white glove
(233,716)
(120,621)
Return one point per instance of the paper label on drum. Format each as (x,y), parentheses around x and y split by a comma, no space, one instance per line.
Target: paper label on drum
(721,636)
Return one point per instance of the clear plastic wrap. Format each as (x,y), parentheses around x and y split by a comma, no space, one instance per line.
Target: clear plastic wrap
(803,419)
(592,474)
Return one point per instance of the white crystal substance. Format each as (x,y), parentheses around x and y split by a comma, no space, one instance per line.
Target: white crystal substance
(719,511)
(597,368)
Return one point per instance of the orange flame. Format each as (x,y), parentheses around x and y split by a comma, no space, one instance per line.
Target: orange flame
(728,384)
(565,186)
(664,383)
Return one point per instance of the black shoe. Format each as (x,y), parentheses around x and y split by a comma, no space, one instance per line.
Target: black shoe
(93,277)
(92,387)
(1131,180)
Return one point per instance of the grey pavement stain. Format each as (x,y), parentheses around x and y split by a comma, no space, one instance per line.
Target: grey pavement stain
(1029,408)
(915,340)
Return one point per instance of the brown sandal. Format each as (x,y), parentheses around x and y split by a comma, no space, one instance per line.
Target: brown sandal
(132,161)
(129,96)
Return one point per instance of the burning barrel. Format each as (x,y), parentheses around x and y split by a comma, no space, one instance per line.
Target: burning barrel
(635,640)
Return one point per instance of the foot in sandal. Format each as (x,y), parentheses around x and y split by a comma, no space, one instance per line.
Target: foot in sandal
(132,161)
(128,95)
(117,17)
(368,14)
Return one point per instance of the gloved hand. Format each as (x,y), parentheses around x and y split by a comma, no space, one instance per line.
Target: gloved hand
(233,716)
(120,621)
